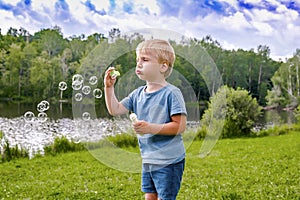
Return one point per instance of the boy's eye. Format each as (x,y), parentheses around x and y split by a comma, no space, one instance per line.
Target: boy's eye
(143,59)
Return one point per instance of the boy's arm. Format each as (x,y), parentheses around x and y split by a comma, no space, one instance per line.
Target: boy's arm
(114,107)
(176,126)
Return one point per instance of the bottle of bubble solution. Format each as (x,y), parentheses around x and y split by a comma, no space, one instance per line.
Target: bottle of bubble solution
(134,119)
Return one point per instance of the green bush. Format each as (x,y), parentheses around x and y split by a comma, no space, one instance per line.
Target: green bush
(201,133)
(124,140)
(63,145)
(276,130)
(297,113)
(238,115)
(11,153)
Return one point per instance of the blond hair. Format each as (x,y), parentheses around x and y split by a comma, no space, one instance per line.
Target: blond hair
(161,49)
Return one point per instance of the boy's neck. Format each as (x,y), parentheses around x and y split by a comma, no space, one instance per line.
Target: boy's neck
(154,86)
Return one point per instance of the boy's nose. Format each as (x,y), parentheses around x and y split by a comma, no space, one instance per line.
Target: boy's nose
(139,65)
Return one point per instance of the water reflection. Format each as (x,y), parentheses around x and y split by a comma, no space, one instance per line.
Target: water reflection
(57,110)
(278,117)
(34,135)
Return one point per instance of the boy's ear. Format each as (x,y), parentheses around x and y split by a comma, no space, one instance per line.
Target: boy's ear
(164,67)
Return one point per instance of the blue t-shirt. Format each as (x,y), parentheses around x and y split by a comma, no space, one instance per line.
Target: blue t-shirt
(158,107)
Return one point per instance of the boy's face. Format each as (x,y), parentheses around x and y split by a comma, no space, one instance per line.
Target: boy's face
(148,68)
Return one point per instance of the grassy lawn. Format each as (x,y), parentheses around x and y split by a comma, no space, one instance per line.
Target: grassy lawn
(248,168)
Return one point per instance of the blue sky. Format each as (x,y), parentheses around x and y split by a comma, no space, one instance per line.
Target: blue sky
(234,23)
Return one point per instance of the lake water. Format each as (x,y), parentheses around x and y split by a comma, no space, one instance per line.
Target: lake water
(10,109)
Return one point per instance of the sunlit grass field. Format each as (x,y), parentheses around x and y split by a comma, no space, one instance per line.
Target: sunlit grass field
(247,168)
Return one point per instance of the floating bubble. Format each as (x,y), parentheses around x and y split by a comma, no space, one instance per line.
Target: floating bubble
(97,93)
(62,86)
(86,116)
(42,117)
(78,79)
(78,96)
(28,127)
(76,138)
(76,85)
(43,106)
(29,116)
(93,80)
(86,89)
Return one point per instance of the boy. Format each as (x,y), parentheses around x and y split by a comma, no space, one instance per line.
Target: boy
(161,114)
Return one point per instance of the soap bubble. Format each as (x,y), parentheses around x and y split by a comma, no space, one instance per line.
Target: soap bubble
(93,80)
(43,106)
(76,85)
(78,79)
(28,127)
(78,96)
(42,117)
(97,93)
(29,116)
(76,138)
(62,86)
(86,116)
(86,89)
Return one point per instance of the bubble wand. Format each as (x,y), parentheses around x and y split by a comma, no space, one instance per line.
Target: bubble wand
(114,74)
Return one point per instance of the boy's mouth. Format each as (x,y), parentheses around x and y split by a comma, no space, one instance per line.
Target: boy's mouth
(139,72)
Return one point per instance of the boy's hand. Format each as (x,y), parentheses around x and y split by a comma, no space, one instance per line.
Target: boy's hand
(142,127)
(108,80)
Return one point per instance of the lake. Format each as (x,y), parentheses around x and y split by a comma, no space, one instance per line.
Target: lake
(11,109)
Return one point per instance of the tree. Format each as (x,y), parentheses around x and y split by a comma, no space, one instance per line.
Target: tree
(114,34)
(286,87)
(14,70)
(51,41)
(44,76)
(242,112)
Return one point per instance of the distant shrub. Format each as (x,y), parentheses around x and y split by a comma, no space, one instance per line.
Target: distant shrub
(124,140)
(201,133)
(297,113)
(63,145)
(276,130)
(241,111)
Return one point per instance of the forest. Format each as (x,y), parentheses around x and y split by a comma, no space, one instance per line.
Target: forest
(32,65)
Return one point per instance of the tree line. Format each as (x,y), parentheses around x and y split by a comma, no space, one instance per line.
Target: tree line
(31,66)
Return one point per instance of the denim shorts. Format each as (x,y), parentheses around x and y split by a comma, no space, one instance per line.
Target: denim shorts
(165,180)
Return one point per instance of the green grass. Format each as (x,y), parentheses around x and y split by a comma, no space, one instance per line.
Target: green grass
(248,168)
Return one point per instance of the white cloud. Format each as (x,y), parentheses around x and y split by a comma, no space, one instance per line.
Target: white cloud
(257,2)
(264,15)
(103,4)
(229,46)
(263,29)
(39,6)
(152,5)
(235,22)
(7,21)
(236,27)
(79,11)
(12,2)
